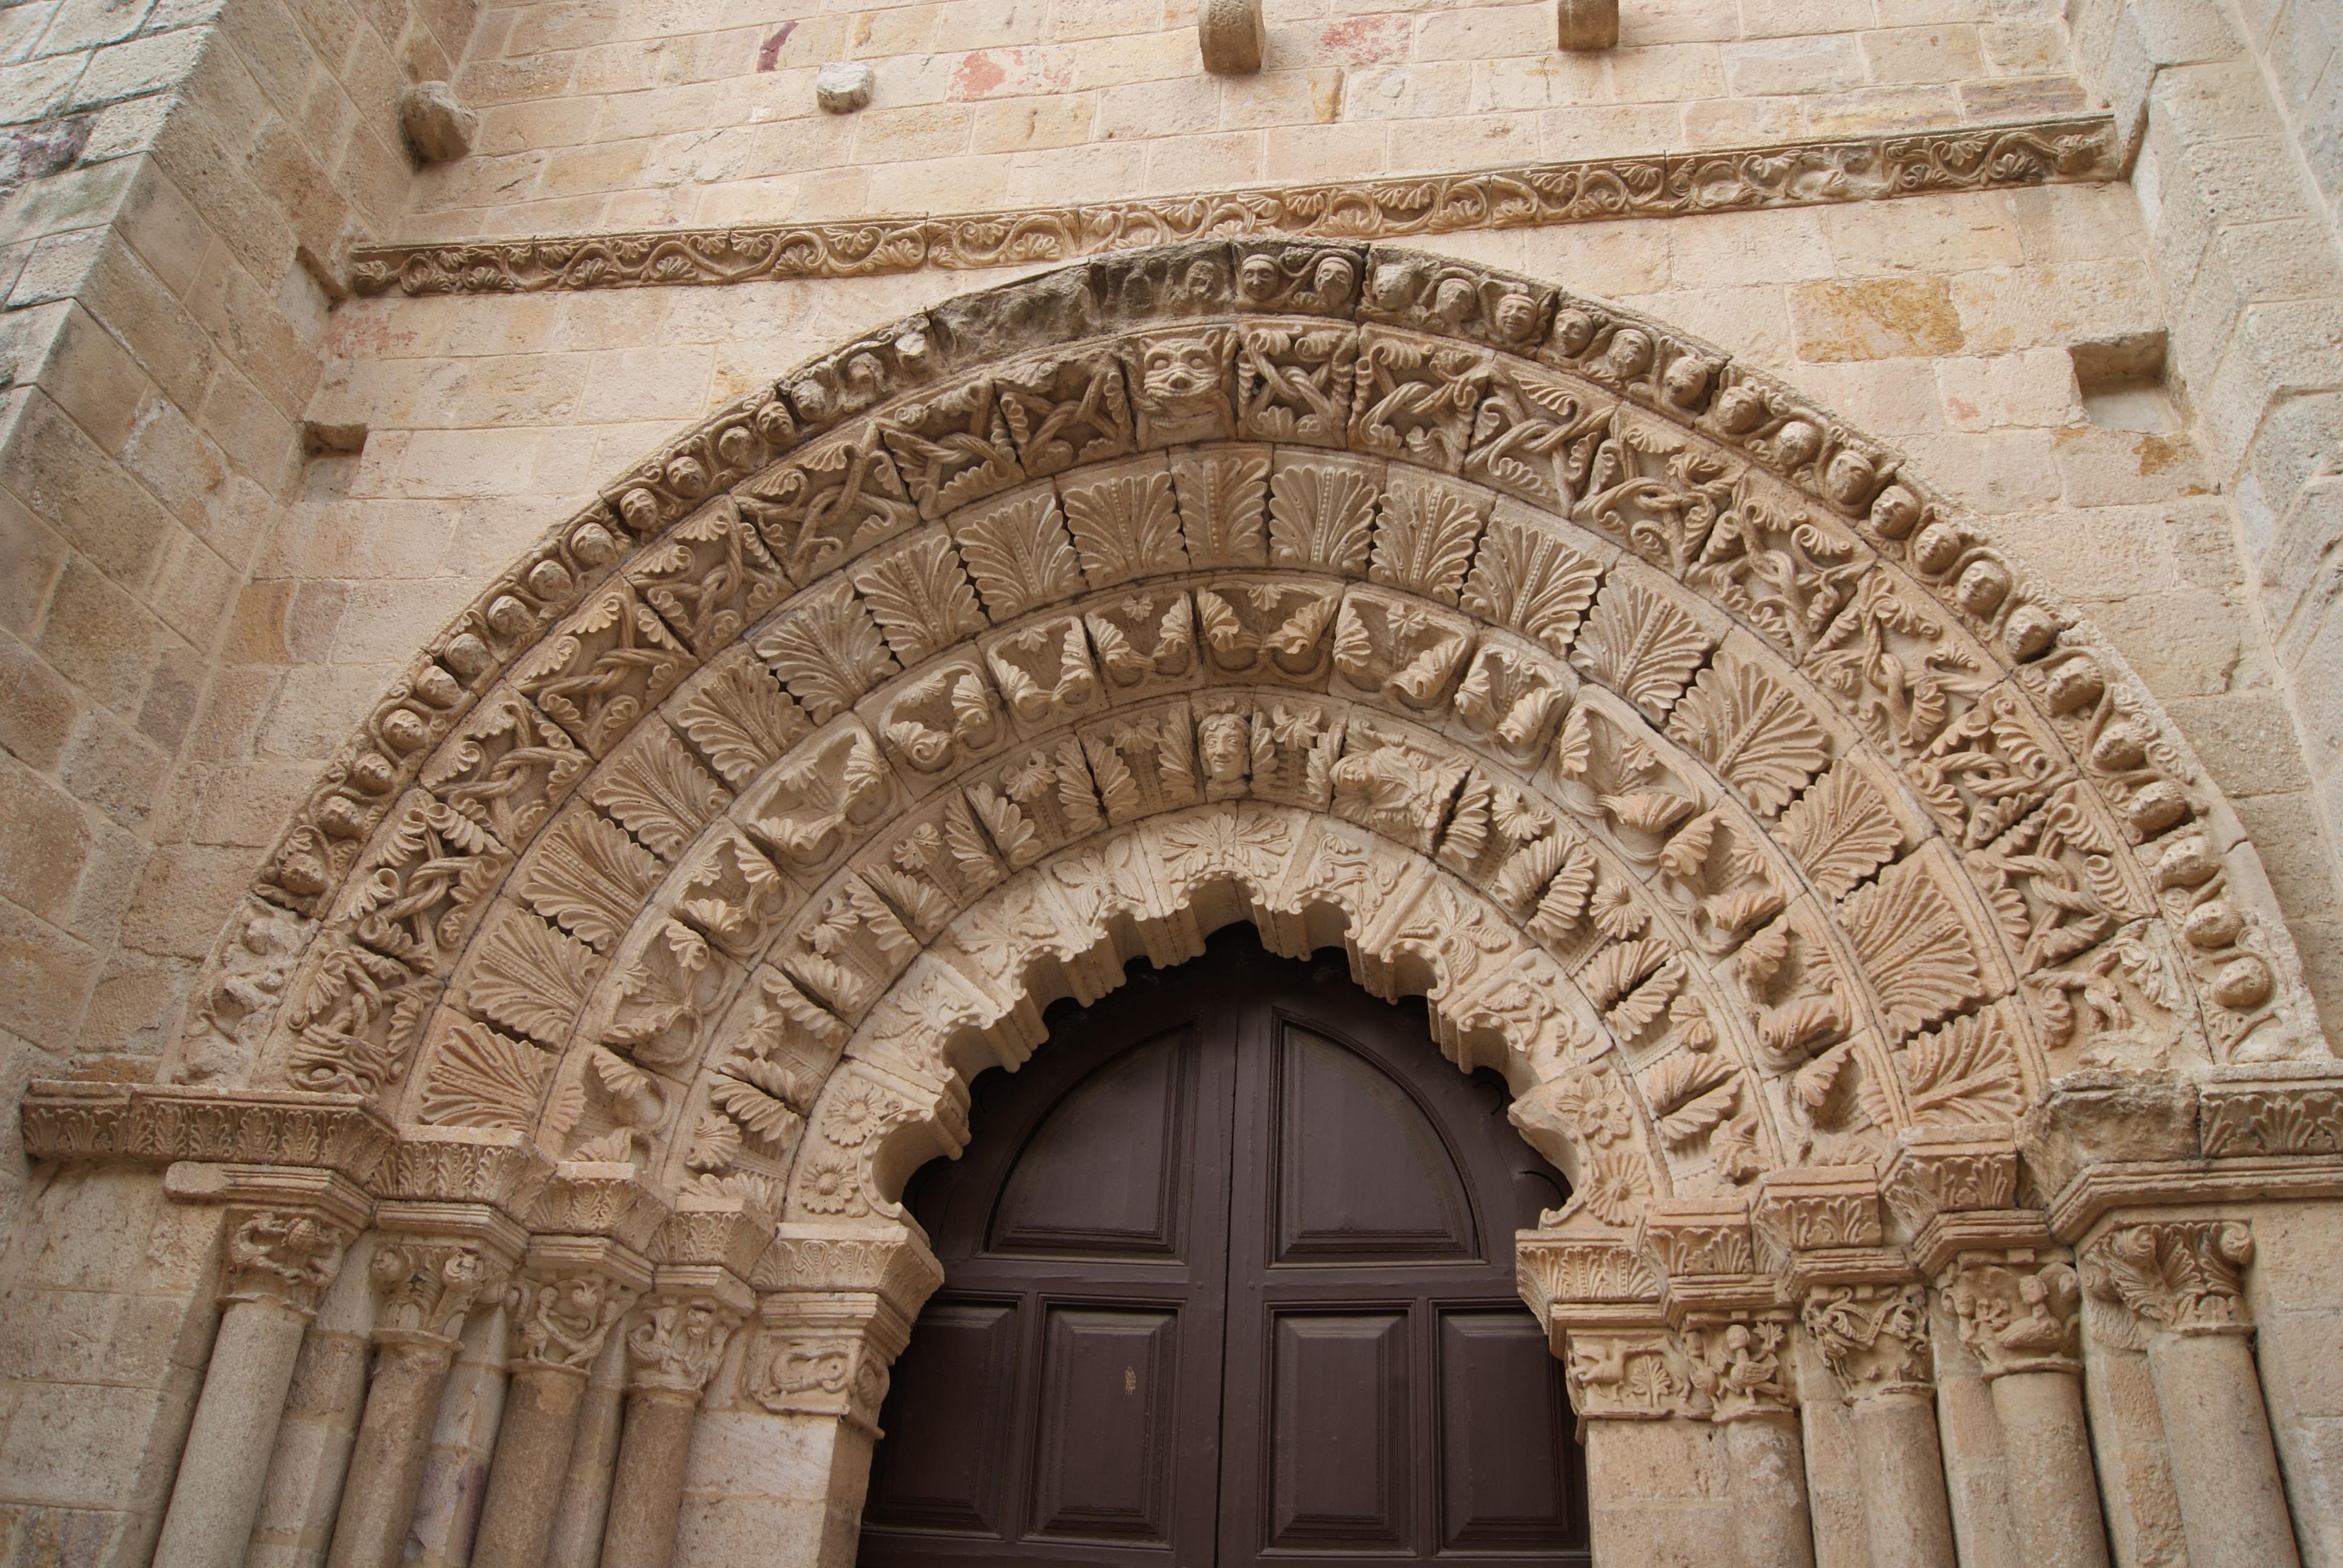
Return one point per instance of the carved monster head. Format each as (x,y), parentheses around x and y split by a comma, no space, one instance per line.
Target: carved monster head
(1182,387)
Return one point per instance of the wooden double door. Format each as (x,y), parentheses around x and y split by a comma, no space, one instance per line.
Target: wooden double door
(1228,1278)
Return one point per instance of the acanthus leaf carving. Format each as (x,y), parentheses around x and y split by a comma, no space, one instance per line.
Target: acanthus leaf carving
(2185,1277)
(1914,945)
(1016,548)
(1527,577)
(590,879)
(919,594)
(1322,513)
(1124,522)
(525,975)
(826,650)
(739,718)
(485,1078)
(655,790)
(1753,730)
(1641,645)
(1223,497)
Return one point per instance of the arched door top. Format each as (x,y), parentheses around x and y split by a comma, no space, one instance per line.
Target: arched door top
(1721,783)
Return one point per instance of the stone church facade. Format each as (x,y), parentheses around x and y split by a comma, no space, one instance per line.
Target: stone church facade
(1777,566)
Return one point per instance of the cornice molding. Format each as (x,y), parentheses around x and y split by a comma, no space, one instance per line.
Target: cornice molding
(1814,173)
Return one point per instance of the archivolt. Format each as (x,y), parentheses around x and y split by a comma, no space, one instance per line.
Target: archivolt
(1717,781)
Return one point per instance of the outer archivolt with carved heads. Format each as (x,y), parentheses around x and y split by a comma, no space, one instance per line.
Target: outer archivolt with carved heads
(1718,783)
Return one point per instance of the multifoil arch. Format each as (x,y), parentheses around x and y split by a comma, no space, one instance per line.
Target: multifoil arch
(1802,812)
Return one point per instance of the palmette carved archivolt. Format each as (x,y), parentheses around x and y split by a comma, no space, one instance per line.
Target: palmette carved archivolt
(1721,786)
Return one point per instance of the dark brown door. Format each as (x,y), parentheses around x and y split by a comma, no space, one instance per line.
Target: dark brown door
(1229,1280)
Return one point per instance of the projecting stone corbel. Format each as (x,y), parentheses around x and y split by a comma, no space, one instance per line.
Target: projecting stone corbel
(1230,34)
(1581,25)
(438,127)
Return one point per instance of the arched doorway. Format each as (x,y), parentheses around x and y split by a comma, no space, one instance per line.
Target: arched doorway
(1229,1277)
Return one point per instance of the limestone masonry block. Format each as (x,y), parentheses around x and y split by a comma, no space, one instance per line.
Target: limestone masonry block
(437,125)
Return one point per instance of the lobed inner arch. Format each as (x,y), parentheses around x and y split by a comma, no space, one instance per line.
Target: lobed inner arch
(1757,804)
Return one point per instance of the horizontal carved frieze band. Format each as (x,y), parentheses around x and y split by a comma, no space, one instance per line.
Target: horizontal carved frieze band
(1586,190)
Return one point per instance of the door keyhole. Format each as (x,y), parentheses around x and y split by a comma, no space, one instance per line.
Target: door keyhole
(1130,1380)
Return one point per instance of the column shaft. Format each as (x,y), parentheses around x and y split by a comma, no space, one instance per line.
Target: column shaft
(2224,1466)
(224,1467)
(387,1465)
(526,1479)
(576,1537)
(646,1492)
(1906,1513)
(2054,1493)
(1767,1453)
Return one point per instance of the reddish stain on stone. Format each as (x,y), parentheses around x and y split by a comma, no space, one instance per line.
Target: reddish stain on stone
(1367,40)
(768,56)
(976,74)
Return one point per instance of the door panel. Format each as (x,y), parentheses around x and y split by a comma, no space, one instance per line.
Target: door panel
(1102,1463)
(1229,1280)
(1339,1432)
(1361,1173)
(1503,1435)
(1095,1177)
(941,1471)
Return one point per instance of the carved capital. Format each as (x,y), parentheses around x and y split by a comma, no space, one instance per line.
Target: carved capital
(678,1339)
(2018,1312)
(562,1303)
(2183,1276)
(428,1284)
(827,1353)
(1619,1372)
(286,1256)
(1736,1364)
(1874,1338)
